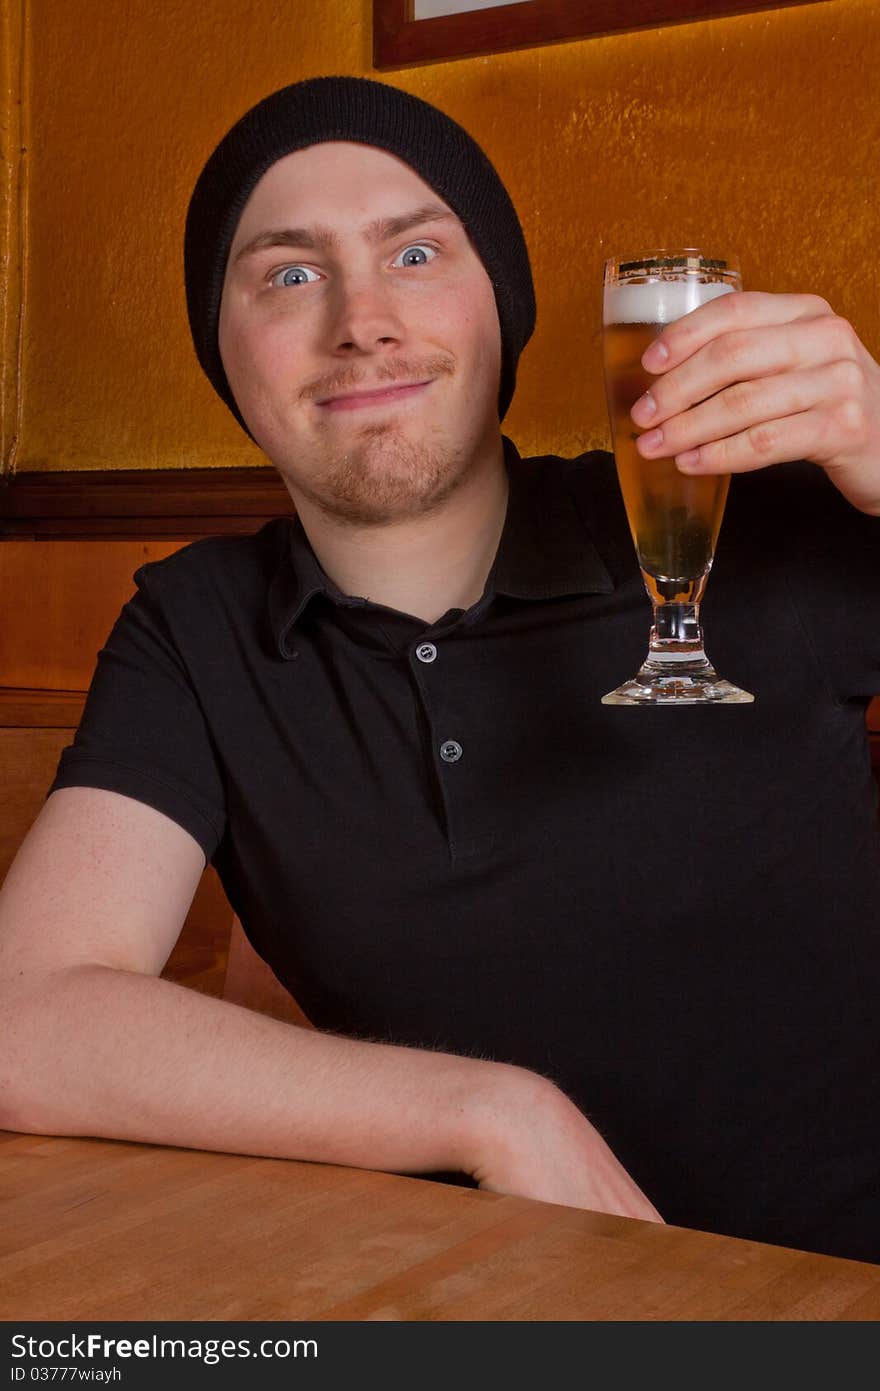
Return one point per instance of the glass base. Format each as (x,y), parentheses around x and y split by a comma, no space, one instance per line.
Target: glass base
(653,686)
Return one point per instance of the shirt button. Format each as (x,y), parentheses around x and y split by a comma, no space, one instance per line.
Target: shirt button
(426,652)
(450,751)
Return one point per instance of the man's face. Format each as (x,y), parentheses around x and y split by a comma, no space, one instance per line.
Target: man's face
(359,334)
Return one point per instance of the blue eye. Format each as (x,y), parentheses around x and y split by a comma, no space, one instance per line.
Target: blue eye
(416,255)
(294,275)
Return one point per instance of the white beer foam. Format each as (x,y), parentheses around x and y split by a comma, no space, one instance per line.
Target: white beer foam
(659,301)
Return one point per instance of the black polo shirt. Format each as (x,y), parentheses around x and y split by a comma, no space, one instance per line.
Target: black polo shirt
(437,835)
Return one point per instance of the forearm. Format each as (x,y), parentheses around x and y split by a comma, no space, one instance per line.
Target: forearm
(100,1051)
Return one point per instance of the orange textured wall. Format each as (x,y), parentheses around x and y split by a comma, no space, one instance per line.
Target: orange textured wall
(757,134)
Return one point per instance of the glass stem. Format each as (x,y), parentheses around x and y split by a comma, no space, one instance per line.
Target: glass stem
(676,643)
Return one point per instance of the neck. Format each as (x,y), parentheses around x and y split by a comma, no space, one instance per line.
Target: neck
(422,566)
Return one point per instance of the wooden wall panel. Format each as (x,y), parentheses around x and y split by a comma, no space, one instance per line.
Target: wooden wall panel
(28,758)
(58,602)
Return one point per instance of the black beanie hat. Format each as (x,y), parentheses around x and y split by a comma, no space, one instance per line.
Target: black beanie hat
(373,113)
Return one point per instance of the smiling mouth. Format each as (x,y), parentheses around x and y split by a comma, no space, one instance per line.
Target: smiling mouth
(378,396)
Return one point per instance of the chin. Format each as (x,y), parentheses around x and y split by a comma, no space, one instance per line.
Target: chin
(388,476)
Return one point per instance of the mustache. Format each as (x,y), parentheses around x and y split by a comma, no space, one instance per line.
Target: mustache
(399,370)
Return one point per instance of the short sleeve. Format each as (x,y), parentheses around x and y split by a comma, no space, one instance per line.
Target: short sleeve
(143,732)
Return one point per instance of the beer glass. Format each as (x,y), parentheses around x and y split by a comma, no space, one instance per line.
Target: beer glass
(674,518)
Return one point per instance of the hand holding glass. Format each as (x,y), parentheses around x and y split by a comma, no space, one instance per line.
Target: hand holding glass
(674,518)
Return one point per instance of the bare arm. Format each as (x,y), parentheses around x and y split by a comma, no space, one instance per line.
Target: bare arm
(94,1043)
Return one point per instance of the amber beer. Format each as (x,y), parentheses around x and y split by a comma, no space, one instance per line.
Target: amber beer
(674,518)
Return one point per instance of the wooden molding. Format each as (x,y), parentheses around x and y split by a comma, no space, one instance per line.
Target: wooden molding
(122,504)
(32,709)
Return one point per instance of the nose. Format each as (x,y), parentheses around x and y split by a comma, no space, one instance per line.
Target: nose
(365,317)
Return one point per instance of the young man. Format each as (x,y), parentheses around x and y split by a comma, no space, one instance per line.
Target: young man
(609,958)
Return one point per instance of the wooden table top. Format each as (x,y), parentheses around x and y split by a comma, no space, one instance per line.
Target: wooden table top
(106,1229)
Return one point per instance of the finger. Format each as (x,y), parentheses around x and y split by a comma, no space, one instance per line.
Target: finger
(771,442)
(740,356)
(740,309)
(744,405)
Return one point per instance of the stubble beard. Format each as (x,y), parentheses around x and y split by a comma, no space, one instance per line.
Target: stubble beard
(386,477)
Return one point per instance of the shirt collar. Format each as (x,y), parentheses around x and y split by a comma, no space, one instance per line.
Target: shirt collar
(546,551)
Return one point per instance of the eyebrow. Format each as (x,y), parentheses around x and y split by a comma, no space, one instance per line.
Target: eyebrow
(319,238)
